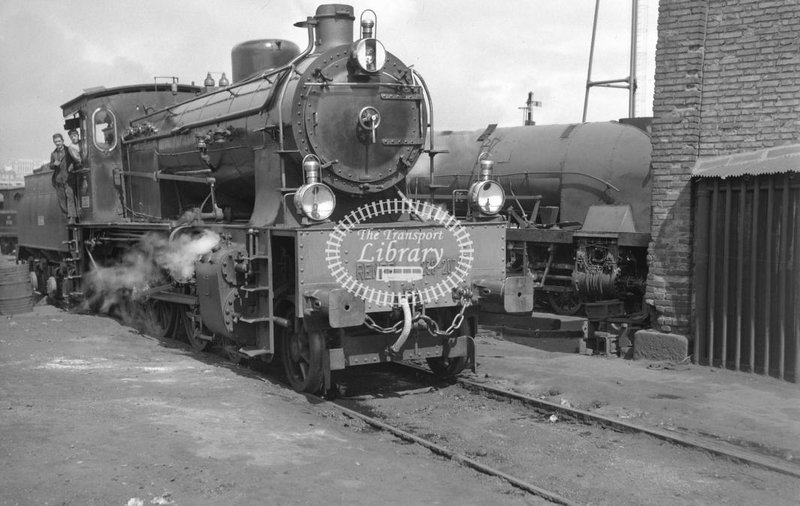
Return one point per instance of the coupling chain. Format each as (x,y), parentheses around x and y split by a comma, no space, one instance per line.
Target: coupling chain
(432,326)
(369,322)
(458,319)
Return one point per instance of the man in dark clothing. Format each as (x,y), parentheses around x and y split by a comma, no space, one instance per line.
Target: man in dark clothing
(63,162)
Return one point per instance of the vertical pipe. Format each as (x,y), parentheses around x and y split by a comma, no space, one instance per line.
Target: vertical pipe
(768,272)
(739,273)
(431,134)
(712,274)
(726,255)
(702,241)
(591,58)
(632,75)
(753,274)
(783,271)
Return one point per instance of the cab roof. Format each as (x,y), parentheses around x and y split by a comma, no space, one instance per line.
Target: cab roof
(102,91)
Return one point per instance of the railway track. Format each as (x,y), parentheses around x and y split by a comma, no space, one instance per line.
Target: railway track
(686,440)
(425,383)
(444,452)
(419,381)
(413,381)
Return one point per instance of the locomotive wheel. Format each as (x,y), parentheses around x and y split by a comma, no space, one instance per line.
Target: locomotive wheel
(447,367)
(564,303)
(124,308)
(301,354)
(185,325)
(162,318)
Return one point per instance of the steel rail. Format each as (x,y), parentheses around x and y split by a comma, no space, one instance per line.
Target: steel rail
(433,447)
(455,457)
(686,440)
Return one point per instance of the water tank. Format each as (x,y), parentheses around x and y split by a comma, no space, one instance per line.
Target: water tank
(254,56)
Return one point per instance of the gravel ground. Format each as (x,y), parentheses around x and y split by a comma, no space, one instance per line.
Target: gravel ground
(95,413)
(585,464)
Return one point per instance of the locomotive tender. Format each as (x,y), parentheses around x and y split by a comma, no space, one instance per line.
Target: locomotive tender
(294,178)
(578,208)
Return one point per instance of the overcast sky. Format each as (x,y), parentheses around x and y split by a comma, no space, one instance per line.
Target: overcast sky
(479,58)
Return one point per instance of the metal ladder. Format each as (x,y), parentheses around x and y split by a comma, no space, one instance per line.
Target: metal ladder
(259,249)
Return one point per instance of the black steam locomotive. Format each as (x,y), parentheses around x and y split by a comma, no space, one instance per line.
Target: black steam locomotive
(578,207)
(271,217)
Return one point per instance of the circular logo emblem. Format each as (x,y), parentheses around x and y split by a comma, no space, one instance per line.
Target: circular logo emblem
(423,259)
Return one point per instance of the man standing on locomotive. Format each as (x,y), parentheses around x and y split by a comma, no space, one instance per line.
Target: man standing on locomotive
(63,161)
(75,149)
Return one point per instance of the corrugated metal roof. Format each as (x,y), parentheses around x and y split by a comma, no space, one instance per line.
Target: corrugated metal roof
(777,160)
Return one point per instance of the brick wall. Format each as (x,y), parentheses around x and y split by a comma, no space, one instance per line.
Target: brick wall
(751,76)
(727,80)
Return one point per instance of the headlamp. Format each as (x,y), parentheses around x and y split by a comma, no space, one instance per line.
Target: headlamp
(314,200)
(487,197)
(369,55)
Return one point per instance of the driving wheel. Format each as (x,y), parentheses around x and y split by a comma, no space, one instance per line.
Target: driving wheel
(301,354)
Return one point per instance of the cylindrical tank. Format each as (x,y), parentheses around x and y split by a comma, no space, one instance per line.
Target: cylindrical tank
(16,294)
(255,56)
(569,165)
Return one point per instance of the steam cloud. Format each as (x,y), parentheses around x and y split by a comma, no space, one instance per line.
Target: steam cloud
(150,263)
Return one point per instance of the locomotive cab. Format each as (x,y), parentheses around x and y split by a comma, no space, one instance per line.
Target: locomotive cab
(101,115)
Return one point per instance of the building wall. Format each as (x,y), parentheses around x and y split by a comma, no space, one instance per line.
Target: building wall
(25,167)
(727,80)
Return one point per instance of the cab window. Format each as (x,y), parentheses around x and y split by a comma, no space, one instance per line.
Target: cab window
(104,126)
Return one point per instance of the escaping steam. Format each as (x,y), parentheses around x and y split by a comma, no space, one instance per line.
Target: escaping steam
(152,262)
(179,256)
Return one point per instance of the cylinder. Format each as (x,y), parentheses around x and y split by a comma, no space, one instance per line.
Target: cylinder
(16,293)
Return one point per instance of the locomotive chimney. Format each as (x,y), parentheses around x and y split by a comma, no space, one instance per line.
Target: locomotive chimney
(334,26)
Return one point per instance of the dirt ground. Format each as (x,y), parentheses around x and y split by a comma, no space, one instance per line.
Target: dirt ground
(584,463)
(748,410)
(94,413)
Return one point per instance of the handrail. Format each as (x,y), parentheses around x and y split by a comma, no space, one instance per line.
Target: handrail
(237,114)
(160,176)
(431,151)
(555,172)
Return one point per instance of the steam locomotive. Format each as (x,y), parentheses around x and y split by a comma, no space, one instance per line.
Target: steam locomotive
(578,209)
(270,216)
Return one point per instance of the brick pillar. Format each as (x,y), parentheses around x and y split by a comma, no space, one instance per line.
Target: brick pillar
(676,128)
